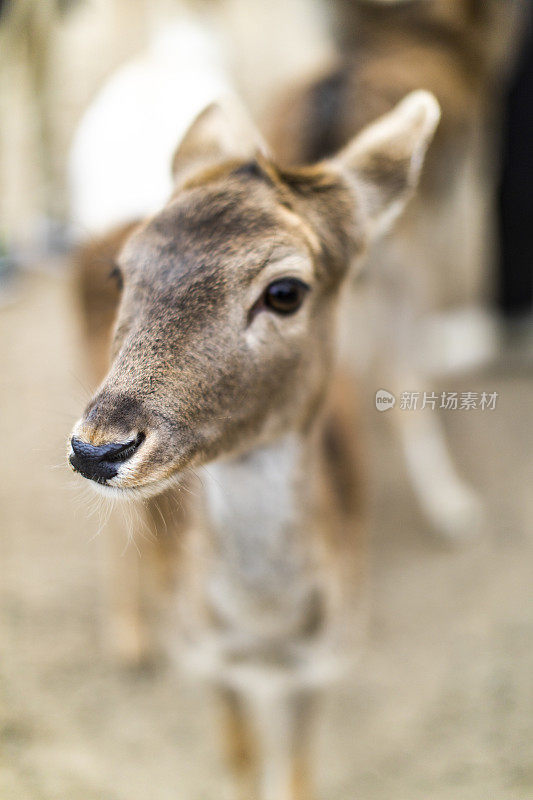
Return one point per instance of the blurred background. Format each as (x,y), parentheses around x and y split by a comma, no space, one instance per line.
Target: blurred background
(441,704)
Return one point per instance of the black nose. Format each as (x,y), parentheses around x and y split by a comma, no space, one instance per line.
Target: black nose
(99,463)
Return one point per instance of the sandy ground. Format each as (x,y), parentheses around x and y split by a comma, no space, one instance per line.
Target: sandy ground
(440,706)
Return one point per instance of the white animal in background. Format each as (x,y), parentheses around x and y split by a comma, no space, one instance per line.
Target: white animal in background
(119,160)
(118,164)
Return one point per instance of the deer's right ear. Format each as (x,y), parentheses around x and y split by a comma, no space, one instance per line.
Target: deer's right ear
(217,134)
(383,163)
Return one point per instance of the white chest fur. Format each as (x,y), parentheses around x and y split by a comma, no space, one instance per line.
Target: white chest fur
(265,581)
(262,573)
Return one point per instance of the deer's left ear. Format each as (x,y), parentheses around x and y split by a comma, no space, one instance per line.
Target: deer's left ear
(217,134)
(383,163)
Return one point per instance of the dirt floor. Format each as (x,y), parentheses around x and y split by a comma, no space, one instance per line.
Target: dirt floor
(440,706)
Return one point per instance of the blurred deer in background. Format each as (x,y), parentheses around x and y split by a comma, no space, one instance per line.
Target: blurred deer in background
(431,277)
(224,355)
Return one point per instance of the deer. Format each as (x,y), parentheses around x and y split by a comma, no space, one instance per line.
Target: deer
(226,417)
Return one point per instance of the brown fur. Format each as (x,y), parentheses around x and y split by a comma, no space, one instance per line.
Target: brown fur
(453,48)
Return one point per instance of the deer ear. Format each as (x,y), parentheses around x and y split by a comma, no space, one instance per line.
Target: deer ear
(217,134)
(383,163)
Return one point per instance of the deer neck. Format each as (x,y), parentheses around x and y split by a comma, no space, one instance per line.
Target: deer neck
(255,505)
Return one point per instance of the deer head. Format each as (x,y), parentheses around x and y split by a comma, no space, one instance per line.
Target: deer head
(225,330)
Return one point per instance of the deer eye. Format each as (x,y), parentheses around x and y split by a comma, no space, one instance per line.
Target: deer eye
(285,296)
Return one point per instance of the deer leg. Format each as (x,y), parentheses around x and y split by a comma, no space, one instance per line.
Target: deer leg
(286,733)
(124,630)
(142,558)
(450,505)
(239,742)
